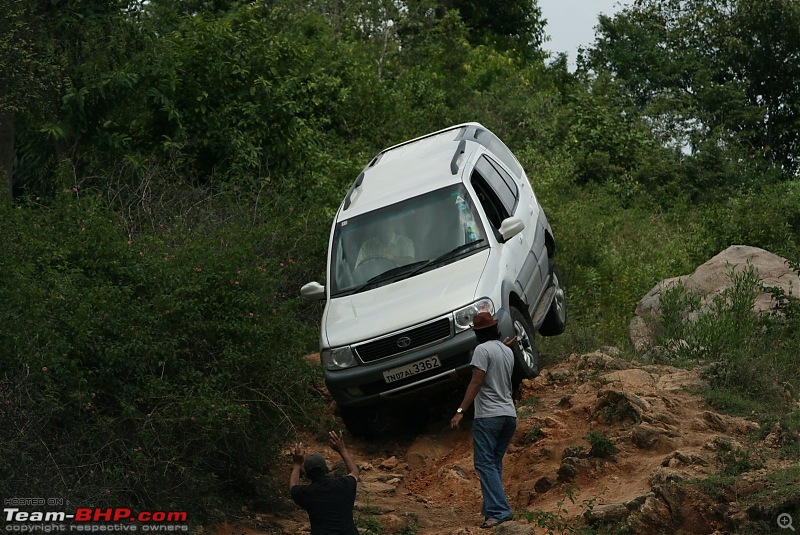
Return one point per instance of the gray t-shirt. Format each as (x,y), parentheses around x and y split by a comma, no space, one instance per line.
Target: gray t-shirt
(494,398)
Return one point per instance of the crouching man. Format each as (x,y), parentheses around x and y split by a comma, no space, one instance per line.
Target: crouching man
(327,500)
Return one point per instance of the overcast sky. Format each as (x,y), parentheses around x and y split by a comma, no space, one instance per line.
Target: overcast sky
(570,23)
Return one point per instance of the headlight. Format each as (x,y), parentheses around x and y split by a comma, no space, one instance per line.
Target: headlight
(463,316)
(338,358)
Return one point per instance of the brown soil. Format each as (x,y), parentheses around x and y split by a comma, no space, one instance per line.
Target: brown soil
(662,430)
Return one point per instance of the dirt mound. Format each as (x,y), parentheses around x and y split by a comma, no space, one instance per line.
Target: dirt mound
(598,440)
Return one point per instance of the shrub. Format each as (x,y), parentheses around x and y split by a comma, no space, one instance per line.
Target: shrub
(159,372)
(601,445)
(735,461)
(750,354)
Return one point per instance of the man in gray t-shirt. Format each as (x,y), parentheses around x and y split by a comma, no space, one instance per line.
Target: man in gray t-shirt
(494,398)
(495,415)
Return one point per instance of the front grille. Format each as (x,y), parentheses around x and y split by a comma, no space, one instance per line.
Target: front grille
(408,341)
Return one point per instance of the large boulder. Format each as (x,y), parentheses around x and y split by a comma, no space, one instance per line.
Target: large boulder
(711,279)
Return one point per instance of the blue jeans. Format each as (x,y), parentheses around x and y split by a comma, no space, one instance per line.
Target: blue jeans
(490,440)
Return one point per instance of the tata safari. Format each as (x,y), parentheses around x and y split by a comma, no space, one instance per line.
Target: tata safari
(431,232)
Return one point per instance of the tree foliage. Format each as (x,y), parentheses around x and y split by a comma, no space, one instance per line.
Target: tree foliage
(711,71)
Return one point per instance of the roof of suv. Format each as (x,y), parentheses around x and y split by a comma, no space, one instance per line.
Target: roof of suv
(420,165)
(411,168)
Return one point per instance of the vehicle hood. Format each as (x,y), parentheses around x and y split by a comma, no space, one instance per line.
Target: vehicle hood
(395,306)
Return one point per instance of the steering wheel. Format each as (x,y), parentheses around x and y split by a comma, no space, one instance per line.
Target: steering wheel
(372,266)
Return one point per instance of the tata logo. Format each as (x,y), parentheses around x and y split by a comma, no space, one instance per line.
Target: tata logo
(403,342)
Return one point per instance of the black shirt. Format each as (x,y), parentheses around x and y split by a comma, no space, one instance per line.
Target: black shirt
(329,504)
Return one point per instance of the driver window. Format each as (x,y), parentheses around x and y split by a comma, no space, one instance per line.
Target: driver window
(496,212)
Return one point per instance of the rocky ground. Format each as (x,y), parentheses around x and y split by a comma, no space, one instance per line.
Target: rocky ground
(599,441)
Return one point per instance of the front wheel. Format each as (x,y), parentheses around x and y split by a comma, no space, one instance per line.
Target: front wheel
(526,356)
(365,422)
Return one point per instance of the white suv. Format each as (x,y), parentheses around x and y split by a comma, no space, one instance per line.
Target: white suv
(432,231)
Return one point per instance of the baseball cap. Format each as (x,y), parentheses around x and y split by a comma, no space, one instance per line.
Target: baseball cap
(315,463)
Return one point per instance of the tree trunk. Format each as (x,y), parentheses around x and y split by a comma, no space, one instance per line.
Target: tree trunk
(6,155)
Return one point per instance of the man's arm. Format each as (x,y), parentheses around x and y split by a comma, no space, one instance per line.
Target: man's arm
(473,388)
(298,453)
(337,444)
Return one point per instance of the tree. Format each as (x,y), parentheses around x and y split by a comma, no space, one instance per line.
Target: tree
(765,51)
(722,70)
(30,76)
(511,25)
(64,57)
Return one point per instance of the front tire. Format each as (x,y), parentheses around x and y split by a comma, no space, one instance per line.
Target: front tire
(365,422)
(526,356)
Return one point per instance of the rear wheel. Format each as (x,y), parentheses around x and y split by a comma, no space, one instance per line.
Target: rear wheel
(555,322)
(526,356)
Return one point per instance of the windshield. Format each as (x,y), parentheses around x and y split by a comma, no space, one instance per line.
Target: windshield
(404,239)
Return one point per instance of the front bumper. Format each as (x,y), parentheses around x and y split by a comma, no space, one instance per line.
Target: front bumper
(364,384)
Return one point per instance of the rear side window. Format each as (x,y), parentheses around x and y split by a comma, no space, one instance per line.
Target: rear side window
(493,145)
(501,183)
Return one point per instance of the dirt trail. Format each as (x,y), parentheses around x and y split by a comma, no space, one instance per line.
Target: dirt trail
(662,431)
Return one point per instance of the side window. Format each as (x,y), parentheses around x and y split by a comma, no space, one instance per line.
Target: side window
(508,180)
(494,208)
(500,182)
(499,149)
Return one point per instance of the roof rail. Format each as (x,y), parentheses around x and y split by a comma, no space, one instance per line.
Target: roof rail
(356,184)
(459,151)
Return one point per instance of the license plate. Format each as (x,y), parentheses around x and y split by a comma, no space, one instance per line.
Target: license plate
(401,372)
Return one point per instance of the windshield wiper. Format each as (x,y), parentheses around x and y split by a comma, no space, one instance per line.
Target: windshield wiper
(407,271)
(445,257)
(386,275)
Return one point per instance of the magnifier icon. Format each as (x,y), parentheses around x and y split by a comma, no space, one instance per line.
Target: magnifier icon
(785,521)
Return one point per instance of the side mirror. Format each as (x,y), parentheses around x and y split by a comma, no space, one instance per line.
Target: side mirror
(511,227)
(313,291)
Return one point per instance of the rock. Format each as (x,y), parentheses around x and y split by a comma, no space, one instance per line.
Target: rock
(644,436)
(551,422)
(376,487)
(567,472)
(513,527)
(710,280)
(714,421)
(570,467)
(599,360)
(542,485)
(636,503)
(618,406)
(396,523)
(388,464)
(607,514)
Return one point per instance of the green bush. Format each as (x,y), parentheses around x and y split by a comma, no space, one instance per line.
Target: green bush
(610,256)
(601,446)
(160,372)
(750,358)
(736,461)
(768,218)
